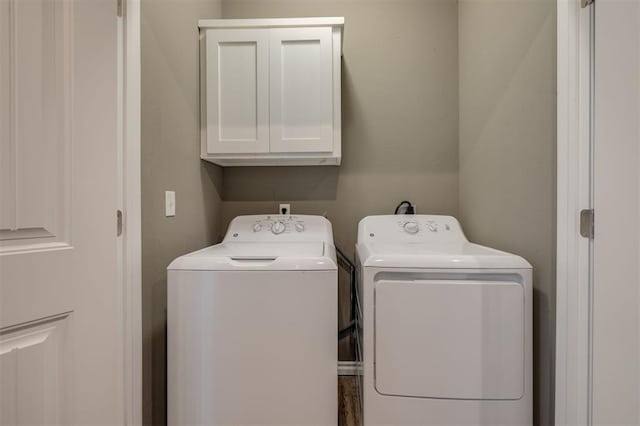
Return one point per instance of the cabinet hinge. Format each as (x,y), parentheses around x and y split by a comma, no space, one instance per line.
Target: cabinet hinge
(587,223)
(586,3)
(119,223)
(120,8)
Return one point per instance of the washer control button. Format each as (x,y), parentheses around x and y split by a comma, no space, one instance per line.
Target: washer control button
(299,226)
(257,227)
(411,227)
(278,228)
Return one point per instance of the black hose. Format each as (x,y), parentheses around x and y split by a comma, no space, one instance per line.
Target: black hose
(410,209)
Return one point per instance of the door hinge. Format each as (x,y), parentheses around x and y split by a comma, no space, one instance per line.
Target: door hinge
(120,8)
(119,223)
(586,3)
(587,223)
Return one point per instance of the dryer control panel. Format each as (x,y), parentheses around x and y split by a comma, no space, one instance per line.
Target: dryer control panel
(410,228)
(282,228)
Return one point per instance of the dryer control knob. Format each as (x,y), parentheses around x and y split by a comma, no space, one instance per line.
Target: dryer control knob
(299,226)
(278,228)
(411,227)
(257,227)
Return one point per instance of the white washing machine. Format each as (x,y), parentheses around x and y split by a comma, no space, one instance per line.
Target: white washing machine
(446,326)
(252,326)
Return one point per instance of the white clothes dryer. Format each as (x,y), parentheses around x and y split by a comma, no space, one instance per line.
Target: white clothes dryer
(252,326)
(446,325)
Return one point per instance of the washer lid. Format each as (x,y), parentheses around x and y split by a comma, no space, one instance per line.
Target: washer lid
(443,255)
(285,256)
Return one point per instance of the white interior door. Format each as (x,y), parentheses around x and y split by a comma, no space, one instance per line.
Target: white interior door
(616,268)
(301,66)
(61,321)
(237,91)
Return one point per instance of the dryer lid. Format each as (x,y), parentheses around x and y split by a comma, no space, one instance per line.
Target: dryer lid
(443,255)
(285,256)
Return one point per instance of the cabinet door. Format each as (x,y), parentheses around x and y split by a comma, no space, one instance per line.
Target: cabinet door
(237,91)
(301,90)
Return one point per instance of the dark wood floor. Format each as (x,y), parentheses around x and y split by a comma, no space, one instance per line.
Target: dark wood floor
(348,403)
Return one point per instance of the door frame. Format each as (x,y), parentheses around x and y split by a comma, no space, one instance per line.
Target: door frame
(574,282)
(129,203)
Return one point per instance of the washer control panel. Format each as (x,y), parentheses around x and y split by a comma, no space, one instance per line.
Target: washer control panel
(278,224)
(410,228)
(279,228)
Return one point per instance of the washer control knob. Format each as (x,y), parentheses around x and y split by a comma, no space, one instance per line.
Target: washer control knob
(432,227)
(411,227)
(299,226)
(257,227)
(277,228)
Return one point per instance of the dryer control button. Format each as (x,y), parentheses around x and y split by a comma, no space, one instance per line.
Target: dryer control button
(411,227)
(299,226)
(257,227)
(278,228)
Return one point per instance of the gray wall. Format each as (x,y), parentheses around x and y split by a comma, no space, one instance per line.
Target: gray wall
(399,110)
(170,161)
(507,151)
(409,68)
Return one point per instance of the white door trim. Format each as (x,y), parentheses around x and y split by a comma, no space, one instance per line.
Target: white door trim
(130,245)
(574,193)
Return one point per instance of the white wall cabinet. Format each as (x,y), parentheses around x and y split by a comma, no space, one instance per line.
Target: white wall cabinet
(237,91)
(270,91)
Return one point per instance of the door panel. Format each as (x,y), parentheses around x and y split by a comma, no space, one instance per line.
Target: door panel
(35,107)
(237,91)
(301,65)
(449,339)
(61,312)
(32,371)
(7,204)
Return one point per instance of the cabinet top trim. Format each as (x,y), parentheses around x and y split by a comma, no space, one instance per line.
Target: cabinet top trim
(271,23)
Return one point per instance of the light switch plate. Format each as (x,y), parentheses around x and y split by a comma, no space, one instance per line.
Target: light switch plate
(169,203)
